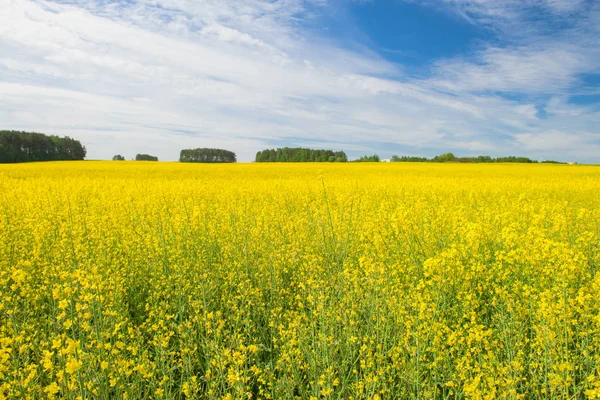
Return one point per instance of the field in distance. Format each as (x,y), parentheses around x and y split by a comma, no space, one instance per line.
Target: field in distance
(310,281)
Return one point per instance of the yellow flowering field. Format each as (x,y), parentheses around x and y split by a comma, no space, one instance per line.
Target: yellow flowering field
(142,280)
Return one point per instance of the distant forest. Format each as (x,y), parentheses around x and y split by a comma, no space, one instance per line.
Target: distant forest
(19,147)
(450,157)
(288,154)
(372,158)
(145,157)
(207,156)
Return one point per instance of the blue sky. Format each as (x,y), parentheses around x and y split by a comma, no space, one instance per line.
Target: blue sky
(406,77)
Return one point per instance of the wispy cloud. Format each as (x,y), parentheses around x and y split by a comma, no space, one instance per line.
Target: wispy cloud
(548,68)
(130,77)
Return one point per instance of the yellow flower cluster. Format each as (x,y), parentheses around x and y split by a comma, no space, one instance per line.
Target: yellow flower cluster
(271,281)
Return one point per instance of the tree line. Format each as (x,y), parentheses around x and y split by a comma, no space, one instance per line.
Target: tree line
(206,155)
(366,158)
(450,157)
(144,157)
(18,147)
(203,155)
(288,154)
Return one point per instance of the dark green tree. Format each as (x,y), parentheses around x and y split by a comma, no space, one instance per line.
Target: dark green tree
(206,155)
(446,157)
(409,159)
(288,154)
(367,158)
(17,146)
(145,157)
(449,157)
(513,159)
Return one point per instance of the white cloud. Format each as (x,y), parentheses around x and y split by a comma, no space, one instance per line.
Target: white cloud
(495,12)
(156,76)
(573,145)
(546,47)
(527,69)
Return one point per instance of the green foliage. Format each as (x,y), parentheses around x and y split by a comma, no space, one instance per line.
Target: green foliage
(513,159)
(446,157)
(409,159)
(450,157)
(366,158)
(207,156)
(145,157)
(288,154)
(17,147)
(118,157)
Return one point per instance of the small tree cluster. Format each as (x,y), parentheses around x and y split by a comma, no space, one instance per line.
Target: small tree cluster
(408,159)
(450,157)
(145,157)
(118,157)
(513,159)
(17,147)
(366,158)
(553,162)
(207,156)
(298,154)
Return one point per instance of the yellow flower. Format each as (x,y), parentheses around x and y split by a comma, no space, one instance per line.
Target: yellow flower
(73,365)
(52,389)
(161,275)
(64,303)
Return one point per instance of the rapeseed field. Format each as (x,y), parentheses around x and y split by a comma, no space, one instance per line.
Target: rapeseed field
(133,280)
